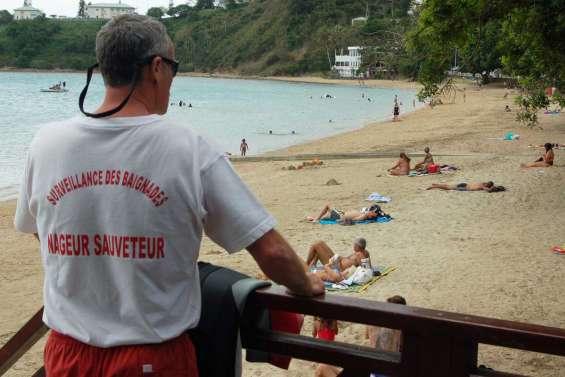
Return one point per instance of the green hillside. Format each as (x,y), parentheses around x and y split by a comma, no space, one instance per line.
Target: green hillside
(268,37)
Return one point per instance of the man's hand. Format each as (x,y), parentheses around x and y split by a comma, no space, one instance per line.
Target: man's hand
(280,263)
(317,284)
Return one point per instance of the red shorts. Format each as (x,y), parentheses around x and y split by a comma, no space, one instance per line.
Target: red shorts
(67,357)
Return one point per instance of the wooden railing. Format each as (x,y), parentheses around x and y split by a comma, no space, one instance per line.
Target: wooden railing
(435,343)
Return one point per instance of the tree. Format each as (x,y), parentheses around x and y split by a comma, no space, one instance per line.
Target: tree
(181,10)
(5,17)
(81,9)
(205,4)
(480,54)
(525,38)
(231,4)
(155,12)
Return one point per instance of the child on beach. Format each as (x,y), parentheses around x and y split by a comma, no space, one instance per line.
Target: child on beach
(385,339)
(243,147)
(326,329)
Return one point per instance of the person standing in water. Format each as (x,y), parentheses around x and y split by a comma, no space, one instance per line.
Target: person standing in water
(243,147)
(396,110)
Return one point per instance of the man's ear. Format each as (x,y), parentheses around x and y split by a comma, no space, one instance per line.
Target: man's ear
(156,67)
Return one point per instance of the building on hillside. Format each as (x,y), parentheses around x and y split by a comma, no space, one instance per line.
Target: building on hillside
(358,20)
(108,10)
(27,12)
(347,63)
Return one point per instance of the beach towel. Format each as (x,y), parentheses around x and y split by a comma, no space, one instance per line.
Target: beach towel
(376,197)
(356,288)
(558,250)
(384,219)
(447,168)
(416,173)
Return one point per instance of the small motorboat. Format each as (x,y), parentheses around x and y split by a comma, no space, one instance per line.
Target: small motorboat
(54,90)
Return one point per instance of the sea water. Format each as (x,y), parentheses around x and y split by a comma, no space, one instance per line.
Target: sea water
(268,114)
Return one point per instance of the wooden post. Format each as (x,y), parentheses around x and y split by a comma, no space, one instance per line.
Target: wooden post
(437,356)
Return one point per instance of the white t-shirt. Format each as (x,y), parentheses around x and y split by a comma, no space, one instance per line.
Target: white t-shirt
(120,205)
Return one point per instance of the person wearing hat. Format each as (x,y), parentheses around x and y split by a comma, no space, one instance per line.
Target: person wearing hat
(320,251)
(119,199)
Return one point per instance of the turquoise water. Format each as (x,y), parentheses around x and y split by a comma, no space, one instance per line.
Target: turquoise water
(223,110)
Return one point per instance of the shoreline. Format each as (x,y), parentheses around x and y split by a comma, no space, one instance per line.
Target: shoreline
(385,84)
(372,83)
(280,153)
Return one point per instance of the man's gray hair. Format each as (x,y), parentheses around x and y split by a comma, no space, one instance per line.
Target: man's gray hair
(361,242)
(126,41)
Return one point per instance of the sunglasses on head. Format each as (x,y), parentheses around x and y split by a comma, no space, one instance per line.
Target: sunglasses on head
(136,75)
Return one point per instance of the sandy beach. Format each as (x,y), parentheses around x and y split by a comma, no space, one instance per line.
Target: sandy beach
(470,252)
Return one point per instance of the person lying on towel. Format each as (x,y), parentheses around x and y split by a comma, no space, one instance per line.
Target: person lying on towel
(331,213)
(483,186)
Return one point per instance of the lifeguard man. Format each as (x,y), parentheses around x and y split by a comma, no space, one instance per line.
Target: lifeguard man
(119,200)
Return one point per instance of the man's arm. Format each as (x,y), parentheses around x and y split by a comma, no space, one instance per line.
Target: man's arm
(280,263)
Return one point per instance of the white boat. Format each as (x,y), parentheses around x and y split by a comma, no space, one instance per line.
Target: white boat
(54,90)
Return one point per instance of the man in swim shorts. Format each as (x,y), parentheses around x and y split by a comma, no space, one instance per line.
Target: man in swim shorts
(331,213)
(485,186)
(120,200)
(320,251)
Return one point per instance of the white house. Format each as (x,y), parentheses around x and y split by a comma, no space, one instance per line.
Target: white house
(27,12)
(359,20)
(107,10)
(348,62)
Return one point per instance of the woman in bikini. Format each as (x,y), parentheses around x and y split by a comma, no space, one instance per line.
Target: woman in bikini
(428,160)
(545,161)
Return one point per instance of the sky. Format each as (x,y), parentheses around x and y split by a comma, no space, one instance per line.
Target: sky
(69,8)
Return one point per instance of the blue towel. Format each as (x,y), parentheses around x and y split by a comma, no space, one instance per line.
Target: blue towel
(384,219)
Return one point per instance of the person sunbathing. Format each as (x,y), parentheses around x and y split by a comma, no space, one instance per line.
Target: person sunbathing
(329,273)
(483,186)
(320,251)
(428,160)
(545,161)
(330,213)
(402,167)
